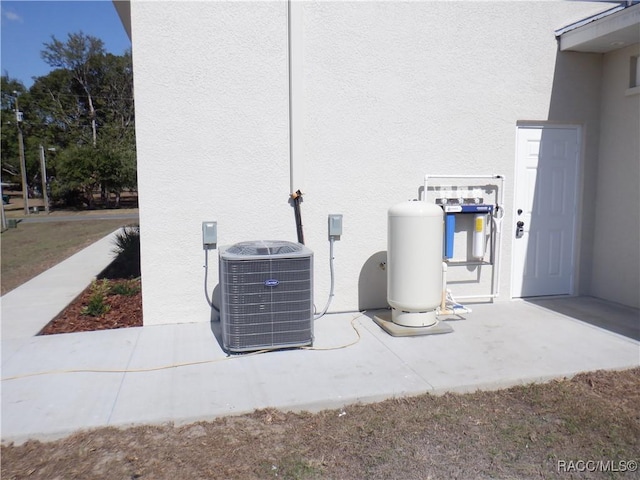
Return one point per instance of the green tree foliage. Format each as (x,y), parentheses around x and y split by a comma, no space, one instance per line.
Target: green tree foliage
(10,158)
(117,120)
(83,109)
(13,90)
(77,174)
(81,56)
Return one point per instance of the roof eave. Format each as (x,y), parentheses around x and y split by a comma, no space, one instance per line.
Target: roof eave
(123,7)
(611,30)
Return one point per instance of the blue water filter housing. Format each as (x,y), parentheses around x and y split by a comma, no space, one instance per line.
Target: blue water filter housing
(450,230)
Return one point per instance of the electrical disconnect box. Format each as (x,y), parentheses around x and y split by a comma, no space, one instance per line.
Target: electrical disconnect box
(335,225)
(209,235)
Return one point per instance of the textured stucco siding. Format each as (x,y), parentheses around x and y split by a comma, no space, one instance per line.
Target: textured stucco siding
(391,91)
(616,259)
(212,132)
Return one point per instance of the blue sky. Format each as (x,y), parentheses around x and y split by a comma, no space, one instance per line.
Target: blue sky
(27,24)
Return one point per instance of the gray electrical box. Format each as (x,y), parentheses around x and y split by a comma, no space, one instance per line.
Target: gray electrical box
(335,225)
(209,235)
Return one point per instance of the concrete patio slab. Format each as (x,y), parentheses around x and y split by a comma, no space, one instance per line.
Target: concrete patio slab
(513,342)
(496,346)
(68,399)
(610,316)
(55,385)
(301,379)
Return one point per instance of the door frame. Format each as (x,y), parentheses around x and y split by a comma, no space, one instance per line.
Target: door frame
(578,199)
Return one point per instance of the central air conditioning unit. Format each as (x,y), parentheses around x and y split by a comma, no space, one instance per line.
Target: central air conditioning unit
(267,295)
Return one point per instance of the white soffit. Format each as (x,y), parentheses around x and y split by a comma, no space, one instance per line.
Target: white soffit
(603,33)
(123,7)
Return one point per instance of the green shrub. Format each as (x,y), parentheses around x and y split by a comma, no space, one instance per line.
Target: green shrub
(97,304)
(128,288)
(127,251)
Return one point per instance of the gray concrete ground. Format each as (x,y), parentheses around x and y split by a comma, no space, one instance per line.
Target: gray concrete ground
(55,385)
(613,317)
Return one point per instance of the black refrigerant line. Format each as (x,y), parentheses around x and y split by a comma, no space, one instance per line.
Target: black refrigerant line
(296,197)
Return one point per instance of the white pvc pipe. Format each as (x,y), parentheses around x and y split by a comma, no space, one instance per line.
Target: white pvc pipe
(461,176)
(497,220)
(501,177)
(470,297)
(498,226)
(443,303)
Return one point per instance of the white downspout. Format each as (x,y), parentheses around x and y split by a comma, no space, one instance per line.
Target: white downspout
(296,106)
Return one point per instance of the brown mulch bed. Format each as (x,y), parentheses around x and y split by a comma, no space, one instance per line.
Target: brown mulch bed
(125,311)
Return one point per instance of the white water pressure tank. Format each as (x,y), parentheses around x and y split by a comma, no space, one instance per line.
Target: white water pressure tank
(414,262)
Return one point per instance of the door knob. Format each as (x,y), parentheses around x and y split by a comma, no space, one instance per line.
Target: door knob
(519,229)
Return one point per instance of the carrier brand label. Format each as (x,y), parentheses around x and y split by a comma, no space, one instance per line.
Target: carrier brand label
(272,282)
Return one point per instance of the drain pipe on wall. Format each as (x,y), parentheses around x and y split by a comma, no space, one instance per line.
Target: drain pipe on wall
(296,111)
(296,198)
(294,41)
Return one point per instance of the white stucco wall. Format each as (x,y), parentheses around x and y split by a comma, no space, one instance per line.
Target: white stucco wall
(391,91)
(616,260)
(212,132)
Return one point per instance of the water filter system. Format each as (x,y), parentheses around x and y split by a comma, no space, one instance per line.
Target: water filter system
(414,270)
(473,206)
(421,246)
(414,258)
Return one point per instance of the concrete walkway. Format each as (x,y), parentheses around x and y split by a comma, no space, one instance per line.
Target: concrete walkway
(178,373)
(28,308)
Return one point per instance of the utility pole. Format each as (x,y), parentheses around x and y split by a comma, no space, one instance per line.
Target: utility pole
(23,166)
(4,218)
(43,173)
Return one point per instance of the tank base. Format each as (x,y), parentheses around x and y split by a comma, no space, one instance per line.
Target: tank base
(413,319)
(383,320)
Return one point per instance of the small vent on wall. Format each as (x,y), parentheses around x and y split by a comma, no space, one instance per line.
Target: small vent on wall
(634,72)
(634,77)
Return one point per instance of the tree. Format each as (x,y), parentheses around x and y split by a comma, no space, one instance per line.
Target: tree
(87,103)
(116,169)
(10,157)
(84,109)
(56,107)
(117,120)
(77,174)
(80,55)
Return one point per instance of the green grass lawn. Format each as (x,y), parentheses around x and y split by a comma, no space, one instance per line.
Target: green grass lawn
(32,248)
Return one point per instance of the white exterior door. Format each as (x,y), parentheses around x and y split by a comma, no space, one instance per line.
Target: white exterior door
(545,209)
